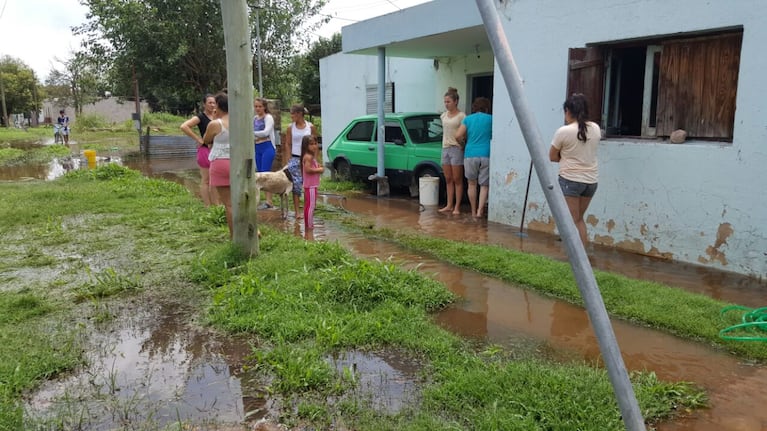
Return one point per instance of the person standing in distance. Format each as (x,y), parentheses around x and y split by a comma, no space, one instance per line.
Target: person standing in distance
(294,136)
(452,152)
(202,120)
(63,122)
(574,147)
(263,131)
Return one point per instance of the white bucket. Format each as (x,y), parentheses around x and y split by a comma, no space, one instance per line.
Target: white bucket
(428,191)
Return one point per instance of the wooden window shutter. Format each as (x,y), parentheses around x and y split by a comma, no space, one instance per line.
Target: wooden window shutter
(585,74)
(698,85)
(371,102)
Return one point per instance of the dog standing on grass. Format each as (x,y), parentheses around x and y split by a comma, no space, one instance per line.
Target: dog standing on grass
(279,183)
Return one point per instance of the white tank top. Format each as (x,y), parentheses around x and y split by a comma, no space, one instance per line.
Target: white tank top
(220,148)
(297,135)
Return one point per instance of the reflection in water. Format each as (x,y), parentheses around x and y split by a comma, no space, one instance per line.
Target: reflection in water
(151,369)
(387,378)
(503,314)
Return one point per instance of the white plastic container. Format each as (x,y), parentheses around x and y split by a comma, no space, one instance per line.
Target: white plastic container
(428,191)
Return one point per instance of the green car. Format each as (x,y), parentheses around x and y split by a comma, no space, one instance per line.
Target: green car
(412,149)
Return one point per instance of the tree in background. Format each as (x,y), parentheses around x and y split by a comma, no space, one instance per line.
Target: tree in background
(75,82)
(309,68)
(176,47)
(285,32)
(19,88)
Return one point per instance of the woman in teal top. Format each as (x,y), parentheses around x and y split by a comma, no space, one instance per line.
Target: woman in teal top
(477,129)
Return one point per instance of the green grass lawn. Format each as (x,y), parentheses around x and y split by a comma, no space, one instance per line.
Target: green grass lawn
(102,236)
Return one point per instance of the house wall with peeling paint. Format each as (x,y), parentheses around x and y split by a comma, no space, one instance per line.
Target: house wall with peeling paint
(699,202)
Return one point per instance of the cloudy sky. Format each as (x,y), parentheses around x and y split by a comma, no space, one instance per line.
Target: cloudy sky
(39,31)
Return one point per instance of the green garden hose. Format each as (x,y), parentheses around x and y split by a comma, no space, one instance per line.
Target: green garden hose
(753,324)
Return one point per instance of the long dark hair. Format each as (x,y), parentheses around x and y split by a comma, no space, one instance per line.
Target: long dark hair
(578,108)
(305,141)
(222,102)
(263,103)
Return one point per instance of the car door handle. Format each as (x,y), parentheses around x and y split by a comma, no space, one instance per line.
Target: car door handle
(372,148)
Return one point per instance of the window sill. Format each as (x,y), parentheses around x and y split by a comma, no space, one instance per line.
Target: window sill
(638,140)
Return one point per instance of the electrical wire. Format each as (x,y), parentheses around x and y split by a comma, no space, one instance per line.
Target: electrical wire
(753,326)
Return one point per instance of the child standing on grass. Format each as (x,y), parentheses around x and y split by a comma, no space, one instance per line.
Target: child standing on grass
(312,169)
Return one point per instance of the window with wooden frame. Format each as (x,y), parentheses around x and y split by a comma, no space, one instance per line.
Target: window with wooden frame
(651,87)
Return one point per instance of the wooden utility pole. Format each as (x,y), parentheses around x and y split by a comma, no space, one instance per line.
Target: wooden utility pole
(239,75)
(2,96)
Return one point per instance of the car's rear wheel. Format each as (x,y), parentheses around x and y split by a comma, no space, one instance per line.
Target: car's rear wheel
(343,170)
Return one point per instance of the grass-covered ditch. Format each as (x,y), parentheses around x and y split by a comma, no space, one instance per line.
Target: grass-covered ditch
(74,245)
(688,315)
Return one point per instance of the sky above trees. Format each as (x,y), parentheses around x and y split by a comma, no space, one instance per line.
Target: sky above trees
(38,31)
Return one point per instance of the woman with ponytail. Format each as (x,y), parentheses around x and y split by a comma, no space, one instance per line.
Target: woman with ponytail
(574,147)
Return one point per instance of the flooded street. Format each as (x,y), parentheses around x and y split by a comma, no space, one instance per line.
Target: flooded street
(157,364)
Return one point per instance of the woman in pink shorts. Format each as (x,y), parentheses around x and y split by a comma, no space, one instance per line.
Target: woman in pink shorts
(217,135)
(202,120)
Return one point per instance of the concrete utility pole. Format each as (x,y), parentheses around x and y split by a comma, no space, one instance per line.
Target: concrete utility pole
(382,181)
(584,275)
(239,75)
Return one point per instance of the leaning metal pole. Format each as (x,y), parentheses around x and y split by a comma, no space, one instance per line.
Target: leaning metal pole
(584,276)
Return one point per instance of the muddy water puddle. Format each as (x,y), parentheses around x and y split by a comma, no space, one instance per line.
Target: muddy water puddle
(149,369)
(490,310)
(501,313)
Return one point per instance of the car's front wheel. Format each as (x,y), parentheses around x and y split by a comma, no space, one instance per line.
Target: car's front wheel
(343,170)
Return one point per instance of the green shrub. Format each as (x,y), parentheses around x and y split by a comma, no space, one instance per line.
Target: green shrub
(161,119)
(90,122)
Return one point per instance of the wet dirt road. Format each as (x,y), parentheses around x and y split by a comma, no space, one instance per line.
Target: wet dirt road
(502,313)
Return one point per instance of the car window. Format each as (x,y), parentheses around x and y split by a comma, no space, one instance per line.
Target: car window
(392,134)
(361,131)
(427,128)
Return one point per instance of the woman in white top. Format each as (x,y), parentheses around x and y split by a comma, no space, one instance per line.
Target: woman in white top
(263,132)
(574,146)
(295,133)
(452,152)
(217,135)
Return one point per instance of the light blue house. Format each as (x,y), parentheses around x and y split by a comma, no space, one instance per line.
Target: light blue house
(649,68)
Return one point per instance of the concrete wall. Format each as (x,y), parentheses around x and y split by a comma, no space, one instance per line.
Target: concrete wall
(698,202)
(112,109)
(344,77)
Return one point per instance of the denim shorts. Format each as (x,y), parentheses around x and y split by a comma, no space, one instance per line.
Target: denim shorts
(576,189)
